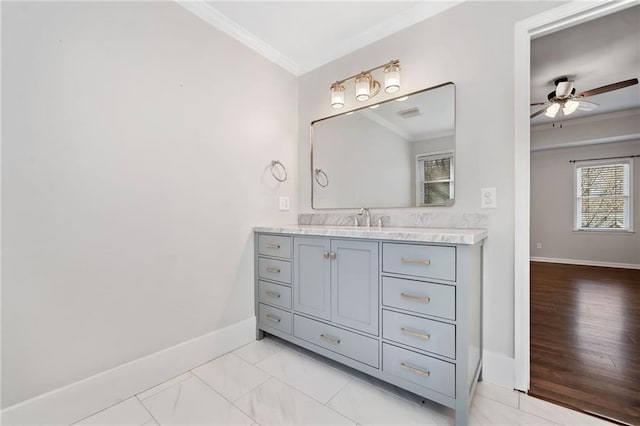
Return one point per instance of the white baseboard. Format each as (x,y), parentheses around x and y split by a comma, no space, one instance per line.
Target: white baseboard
(586,262)
(71,403)
(498,369)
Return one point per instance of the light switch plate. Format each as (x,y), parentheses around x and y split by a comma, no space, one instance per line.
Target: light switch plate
(488,198)
(284,203)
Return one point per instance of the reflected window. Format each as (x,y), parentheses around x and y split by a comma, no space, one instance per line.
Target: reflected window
(435,178)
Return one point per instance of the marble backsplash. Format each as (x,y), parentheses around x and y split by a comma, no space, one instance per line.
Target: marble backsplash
(402,219)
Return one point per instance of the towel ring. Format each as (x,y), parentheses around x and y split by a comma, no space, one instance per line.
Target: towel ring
(275,175)
(320,172)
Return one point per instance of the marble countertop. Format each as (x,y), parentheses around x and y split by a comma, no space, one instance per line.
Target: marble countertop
(428,235)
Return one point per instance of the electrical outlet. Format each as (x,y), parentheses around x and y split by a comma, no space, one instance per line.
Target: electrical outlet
(488,198)
(284,203)
(538,245)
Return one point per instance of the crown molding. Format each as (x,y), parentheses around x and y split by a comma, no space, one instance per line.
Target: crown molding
(212,16)
(319,56)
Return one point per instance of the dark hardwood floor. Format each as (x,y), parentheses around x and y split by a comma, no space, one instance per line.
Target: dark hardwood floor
(585,338)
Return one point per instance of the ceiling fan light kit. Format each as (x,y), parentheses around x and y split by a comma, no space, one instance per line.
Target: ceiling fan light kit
(565,98)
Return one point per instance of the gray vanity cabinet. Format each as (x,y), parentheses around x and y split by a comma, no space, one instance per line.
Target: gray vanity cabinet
(407,312)
(312,277)
(354,284)
(337,280)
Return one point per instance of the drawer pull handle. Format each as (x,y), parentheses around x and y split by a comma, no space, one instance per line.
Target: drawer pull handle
(415,333)
(419,261)
(330,339)
(273,318)
(325,255)
(273,294)
(416,370)
(273,246)
(424,299)
(273,270)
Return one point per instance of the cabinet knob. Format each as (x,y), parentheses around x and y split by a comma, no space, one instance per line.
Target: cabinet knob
(325,255)
(332,255)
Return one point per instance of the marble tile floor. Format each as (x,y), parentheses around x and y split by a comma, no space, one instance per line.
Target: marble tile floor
(270,382)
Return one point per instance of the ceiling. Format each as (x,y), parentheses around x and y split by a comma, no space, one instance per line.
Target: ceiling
(593,54)
(431,114)
(303,35)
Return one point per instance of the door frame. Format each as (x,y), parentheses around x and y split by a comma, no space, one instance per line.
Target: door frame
(548,22)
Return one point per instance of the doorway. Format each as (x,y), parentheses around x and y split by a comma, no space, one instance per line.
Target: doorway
(526,31)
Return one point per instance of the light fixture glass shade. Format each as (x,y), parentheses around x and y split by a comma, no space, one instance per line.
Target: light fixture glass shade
(392,78)
(337,95)
(552,110)
(570,107)
(363,87)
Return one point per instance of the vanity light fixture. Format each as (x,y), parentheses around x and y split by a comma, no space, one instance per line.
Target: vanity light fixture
(367,86)
(337,95)
(391,78)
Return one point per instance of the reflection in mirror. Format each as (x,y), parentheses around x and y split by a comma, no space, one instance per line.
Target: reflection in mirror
(399,153)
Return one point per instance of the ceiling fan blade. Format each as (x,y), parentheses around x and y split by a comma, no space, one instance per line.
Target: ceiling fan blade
(538,103)
(537,113)
(608,88)
(587,106)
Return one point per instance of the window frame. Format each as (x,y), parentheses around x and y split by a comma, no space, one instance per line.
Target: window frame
(628,212)
(419,181)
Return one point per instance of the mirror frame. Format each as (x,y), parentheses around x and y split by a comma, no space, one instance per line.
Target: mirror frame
(311,141)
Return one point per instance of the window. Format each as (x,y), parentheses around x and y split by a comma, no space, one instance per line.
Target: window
(603,200)
(435,179)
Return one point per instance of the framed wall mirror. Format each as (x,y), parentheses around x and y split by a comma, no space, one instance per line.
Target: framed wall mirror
(398,153)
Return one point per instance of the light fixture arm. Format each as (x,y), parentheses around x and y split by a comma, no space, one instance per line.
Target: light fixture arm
(344,80)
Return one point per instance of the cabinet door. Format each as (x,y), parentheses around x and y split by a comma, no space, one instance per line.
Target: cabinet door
(354,285)
(312,275)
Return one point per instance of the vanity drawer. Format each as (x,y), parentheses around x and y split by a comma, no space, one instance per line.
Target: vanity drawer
(274,294)
(424,298)
(421,333)
(274,318)
(274,245)
(422,370)
(351,345)
(438,262)
(276,270)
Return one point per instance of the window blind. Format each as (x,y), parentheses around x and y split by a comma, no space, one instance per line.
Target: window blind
(437,178)
(603,196)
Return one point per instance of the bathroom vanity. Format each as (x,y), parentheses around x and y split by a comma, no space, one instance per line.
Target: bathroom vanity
(400,304)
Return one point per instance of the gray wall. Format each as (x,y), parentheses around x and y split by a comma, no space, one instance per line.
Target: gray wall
(552,190)
(471,45)
(362,160)
(135,145)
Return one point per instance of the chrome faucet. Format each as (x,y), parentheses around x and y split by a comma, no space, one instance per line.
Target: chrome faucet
(367,217)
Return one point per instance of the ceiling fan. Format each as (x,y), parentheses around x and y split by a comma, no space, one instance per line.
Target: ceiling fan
(565,98)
